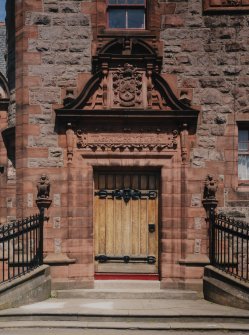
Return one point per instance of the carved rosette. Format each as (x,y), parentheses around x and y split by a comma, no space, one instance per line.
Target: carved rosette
(231,2)
(127,87)
(127,139)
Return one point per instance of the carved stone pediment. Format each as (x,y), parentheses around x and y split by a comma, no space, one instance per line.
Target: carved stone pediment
(126,87)
(125,81)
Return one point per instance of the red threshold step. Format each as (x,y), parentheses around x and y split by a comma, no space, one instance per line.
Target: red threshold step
(126,276)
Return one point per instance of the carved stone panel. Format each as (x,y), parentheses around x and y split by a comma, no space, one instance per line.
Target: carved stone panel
(127,83)
(129,139)
(225,5)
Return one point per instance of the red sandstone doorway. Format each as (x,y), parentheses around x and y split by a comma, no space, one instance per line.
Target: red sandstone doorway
(126,222)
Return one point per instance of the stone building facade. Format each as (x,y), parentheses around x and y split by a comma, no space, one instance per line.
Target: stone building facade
(126,124)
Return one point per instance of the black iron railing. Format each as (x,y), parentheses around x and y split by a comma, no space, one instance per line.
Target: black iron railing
(229,245)
(21,247)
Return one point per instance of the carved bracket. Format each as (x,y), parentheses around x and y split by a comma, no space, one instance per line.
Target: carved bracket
(184,143)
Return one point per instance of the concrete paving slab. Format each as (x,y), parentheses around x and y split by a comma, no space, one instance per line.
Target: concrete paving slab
(54,331)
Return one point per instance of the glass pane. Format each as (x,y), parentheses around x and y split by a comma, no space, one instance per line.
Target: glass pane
(243,135)
(243,140)
(243,146)
(136,18)
(117,2)
(135,2)
(117,18)
(125,2)
(243,167)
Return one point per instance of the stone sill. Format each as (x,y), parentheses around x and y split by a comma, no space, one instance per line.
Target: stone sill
(58,259)
(194,260)
(128,32)
(243,188)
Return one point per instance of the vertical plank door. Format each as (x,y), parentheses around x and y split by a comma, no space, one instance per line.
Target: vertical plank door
(126,227)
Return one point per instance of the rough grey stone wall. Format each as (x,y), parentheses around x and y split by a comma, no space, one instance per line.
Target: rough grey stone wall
(33,287)
(64,42)
(209,55)
(2,48)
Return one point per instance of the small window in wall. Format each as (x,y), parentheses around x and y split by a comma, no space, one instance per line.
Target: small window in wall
(126,14)
(243,150)
(2,10)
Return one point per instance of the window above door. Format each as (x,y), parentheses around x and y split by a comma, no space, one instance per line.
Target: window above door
(126,14)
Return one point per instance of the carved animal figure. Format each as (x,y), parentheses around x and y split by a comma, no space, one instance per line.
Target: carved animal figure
(210,188)
(43,187)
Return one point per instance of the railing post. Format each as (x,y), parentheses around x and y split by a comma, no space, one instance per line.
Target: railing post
(210,206)
(41,223)
(43,202)
(210,203)
(212,233)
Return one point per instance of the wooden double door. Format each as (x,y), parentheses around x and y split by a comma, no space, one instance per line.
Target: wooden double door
(126,222)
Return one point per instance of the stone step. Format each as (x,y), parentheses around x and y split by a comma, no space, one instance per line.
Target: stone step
(127,284)
(102,328)
(103,319)
(125,293)
(184,316)
(126,289)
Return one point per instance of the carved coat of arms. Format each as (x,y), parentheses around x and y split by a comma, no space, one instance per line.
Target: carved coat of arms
(127,87)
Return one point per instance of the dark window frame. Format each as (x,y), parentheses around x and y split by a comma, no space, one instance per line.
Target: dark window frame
(243,151)
(126,6)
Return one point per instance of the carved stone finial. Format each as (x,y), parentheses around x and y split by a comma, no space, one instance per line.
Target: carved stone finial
(210,188)
(184,97)
(127,44)
(43,187)
(69,97)
(70,142)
